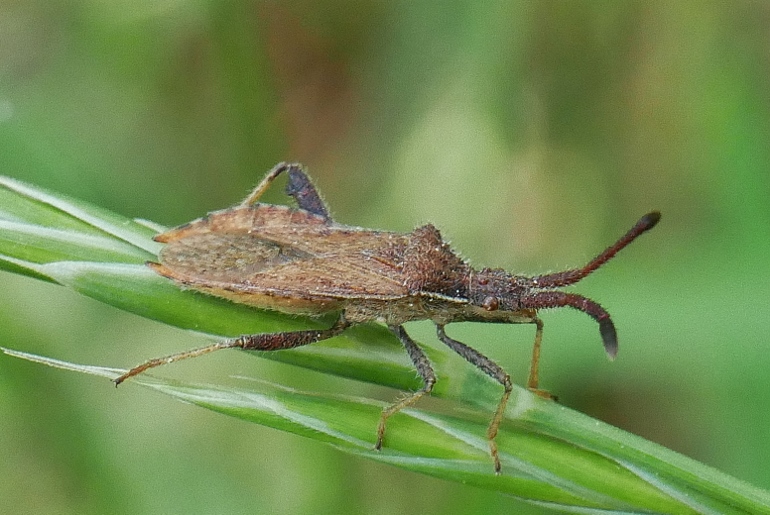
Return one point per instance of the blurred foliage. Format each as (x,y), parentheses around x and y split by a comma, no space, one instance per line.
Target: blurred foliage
(531,133)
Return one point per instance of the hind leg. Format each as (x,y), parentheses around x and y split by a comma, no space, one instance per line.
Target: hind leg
(299,186)
(262,342)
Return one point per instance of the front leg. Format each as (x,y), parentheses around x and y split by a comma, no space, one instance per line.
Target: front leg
(534,367)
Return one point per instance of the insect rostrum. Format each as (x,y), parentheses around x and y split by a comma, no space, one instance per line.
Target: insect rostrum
(298,260)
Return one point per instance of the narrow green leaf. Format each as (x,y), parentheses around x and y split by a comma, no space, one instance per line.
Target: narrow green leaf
(33,205)
(551,456)
(536,467)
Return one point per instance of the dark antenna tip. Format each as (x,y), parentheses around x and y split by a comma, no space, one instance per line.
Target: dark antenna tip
(649,220)
(609,337)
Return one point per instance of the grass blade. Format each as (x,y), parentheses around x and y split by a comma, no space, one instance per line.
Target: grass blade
(551,456)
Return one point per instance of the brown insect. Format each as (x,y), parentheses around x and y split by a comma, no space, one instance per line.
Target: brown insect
(301,261)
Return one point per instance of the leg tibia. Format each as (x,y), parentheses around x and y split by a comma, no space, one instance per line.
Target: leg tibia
(493,370)
(422,364)
(298,186)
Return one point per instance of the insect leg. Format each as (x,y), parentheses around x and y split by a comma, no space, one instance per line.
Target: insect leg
(298,186)
(266,182)
(303,191)
(557,299)
(422,364)
(494,371)
(534,377)
(289,340)
(264,342)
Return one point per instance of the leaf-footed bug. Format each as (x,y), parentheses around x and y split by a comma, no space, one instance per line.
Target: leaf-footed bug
(298,260)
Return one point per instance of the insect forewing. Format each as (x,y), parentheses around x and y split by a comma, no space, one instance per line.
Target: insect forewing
(274,250)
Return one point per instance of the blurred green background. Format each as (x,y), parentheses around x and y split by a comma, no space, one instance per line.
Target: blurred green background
(532,133)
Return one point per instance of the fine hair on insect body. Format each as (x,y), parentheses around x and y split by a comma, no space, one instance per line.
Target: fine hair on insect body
(299,260)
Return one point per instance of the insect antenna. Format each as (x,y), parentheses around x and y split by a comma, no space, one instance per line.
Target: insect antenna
(558,299)
(559,279)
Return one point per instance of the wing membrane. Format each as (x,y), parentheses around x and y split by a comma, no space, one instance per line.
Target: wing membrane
(283,252)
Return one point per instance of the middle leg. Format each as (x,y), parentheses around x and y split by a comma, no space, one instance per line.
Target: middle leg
(422,364)
(494,371)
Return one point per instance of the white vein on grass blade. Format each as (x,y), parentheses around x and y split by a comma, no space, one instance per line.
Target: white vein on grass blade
(241,399)
(110,373)
(153,226)
(67,272)
(199,395)
(668,488)
(71,237)
(566,508)
(9,216)
(509,460)
(123,232)
(431,465)
(29,265)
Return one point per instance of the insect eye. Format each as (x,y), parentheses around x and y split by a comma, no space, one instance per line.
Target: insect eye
(490,304)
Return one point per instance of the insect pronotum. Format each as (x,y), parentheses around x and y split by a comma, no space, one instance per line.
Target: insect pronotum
(298,260)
